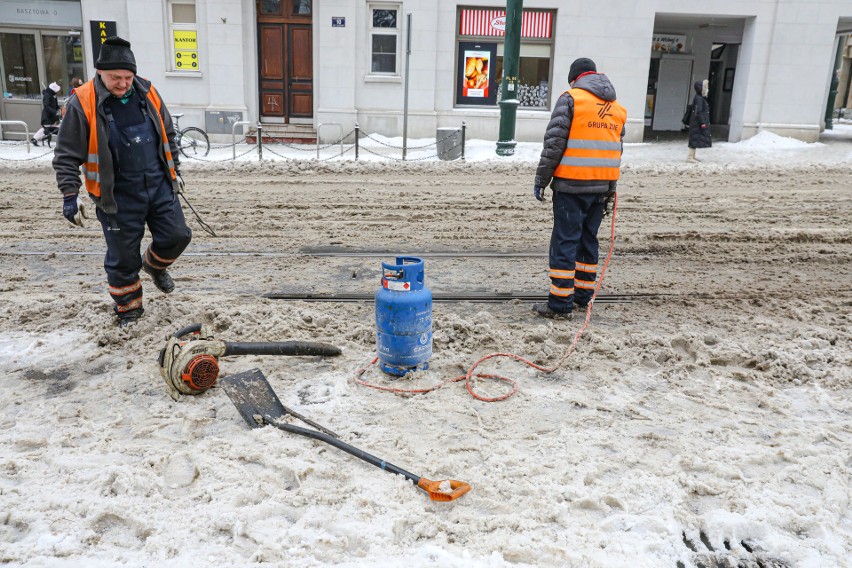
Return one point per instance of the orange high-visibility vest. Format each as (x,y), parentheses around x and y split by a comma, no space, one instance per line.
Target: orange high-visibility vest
(593,151)
(88,100)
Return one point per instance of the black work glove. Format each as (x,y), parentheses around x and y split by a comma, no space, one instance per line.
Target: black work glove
(69,207)
(609,202)
(538,192)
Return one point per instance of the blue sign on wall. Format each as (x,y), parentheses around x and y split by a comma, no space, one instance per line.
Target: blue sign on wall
(338,22)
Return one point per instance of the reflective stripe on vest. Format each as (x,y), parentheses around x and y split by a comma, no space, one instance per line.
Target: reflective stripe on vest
(593,151)
(87,97)
(91,170)
(154,97)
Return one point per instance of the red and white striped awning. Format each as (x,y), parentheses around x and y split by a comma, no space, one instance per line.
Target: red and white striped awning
(534,24)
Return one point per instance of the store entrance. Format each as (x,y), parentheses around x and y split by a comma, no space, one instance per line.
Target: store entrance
(30,60)
(685,49)
(285,60)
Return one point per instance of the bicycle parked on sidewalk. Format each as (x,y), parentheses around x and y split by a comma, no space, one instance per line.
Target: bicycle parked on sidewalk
(192,141)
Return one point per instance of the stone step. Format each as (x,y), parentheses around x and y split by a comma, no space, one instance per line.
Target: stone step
(286,133)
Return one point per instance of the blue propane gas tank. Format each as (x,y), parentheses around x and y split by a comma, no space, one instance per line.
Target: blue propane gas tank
(403,317)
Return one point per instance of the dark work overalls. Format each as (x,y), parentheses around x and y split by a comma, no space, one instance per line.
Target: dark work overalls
(574,248)
(144,195)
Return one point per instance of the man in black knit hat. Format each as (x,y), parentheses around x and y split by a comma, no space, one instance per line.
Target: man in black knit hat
(119,130)
(581,162)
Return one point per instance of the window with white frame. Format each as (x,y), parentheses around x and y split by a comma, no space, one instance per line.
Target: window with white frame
(183,36)
(385,26)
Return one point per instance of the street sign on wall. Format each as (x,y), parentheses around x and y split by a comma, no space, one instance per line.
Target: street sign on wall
(186,50)
(101,30)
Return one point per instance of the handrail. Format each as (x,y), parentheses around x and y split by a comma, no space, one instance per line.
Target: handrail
(339,126)
(26,129)
(234,136)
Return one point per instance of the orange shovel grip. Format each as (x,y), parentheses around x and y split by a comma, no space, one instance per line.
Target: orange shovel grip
(433,488)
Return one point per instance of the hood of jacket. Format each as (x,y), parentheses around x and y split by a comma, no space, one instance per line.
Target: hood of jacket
(598,84)
(702,87)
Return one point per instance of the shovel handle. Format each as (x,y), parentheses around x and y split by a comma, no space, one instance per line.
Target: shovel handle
(433,488)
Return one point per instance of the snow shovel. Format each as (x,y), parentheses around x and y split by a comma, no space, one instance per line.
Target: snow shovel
(258,404)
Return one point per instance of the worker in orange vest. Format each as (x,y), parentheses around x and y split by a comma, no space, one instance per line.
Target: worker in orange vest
(119,130)
(581,162)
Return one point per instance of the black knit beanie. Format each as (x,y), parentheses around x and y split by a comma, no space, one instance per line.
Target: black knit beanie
(115,54)
(580,66)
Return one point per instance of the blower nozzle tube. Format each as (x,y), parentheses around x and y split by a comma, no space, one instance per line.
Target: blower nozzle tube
(281,348)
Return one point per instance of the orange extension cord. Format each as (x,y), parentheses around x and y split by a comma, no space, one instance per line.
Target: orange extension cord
(467,378)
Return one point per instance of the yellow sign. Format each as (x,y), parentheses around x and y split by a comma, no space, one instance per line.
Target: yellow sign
(186,50)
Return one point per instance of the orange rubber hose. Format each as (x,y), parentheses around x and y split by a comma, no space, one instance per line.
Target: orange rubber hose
(468,377)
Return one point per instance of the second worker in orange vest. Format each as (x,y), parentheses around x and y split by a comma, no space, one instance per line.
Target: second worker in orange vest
(581,163)
(119,132)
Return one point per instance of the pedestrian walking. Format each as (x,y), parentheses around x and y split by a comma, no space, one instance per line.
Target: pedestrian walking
(581,163)
(50,114)
(75,82)
(699,122)
(119,130)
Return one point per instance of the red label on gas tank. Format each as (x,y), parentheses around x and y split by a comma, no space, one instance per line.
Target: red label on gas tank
(396,285)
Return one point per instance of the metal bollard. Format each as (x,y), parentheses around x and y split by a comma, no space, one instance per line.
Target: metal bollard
(464,127)
(259,141)
(357,135)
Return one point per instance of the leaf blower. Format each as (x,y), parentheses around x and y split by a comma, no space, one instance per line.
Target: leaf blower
(189,362)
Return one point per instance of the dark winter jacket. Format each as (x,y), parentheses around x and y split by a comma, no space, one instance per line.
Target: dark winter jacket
(72,144)
(49,108)
(700,137)
(556,138)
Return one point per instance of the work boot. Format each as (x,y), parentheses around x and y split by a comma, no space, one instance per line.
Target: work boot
(161,278)
(546,311)
(129,317)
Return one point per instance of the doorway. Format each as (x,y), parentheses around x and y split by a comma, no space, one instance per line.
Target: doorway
(30,60)
(285,60)
(672,92)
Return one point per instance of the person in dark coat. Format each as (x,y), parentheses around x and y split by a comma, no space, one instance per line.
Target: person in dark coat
(119,130)
(699,122)
(581,162)
(50,114)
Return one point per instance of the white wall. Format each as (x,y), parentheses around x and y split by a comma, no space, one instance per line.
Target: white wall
(225,81)
(780,84)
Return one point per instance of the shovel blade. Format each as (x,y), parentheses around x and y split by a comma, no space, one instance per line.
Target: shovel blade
(253,396)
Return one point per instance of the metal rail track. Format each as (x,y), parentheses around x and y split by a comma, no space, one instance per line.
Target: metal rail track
(495,297)
(475,297)
(341,254)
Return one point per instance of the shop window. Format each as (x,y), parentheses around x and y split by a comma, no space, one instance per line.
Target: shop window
(20,77)
(384,39)
(63,60)
(184,36)
(482,31)
(533,75)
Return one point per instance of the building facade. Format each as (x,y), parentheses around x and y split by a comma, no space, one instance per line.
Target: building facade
(340,62)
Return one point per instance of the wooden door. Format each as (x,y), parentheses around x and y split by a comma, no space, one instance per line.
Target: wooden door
(285,59)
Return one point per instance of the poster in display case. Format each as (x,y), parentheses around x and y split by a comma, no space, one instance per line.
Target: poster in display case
(476,83)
